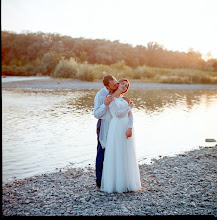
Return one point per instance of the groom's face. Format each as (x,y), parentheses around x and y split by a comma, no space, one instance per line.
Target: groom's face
(113,85)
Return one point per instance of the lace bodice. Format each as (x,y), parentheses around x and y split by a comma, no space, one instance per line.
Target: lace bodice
(119,108)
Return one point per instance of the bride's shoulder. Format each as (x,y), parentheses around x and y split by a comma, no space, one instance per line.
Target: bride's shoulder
(115,98)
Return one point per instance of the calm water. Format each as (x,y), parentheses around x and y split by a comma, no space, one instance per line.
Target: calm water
(46,130)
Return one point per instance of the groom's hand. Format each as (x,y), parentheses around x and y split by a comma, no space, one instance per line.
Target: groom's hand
(129,132)
(126,99)
(108,100)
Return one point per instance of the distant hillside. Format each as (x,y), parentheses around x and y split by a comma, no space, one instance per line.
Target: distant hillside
(40,53)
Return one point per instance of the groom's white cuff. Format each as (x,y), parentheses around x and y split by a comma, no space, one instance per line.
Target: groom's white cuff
(103,105)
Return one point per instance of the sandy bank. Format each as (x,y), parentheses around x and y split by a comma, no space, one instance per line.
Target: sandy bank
(181,185)
(49,83)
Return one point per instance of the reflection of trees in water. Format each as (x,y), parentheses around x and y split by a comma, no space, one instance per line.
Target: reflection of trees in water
(83,102)
(77,101)
(157,100)
(150,100)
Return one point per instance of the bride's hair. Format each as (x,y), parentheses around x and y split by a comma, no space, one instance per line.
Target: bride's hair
(124,80)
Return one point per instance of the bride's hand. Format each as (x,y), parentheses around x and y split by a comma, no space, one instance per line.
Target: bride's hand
(129,132)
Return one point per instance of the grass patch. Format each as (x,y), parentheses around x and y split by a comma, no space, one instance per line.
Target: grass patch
(93,72)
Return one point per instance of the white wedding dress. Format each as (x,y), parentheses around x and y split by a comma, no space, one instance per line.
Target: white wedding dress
(120,167)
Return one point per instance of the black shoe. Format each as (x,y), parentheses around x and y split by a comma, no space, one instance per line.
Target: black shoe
(98,184)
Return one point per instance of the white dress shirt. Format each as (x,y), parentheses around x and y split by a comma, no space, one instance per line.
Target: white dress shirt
(99,107)
(101,111)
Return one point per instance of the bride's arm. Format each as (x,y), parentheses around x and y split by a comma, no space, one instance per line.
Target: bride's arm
(118,112)
(129,131)
(130,116)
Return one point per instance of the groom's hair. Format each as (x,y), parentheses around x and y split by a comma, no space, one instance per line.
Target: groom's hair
(106,79)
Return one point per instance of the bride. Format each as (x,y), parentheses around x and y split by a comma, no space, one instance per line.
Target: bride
(120,167)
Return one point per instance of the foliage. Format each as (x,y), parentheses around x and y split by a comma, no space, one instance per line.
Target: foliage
(87,59)
(66,68)
(90,72)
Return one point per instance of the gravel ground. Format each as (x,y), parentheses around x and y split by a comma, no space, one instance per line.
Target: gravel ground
(181,185)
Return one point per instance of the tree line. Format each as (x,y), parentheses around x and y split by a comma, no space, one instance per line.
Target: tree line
(39,53)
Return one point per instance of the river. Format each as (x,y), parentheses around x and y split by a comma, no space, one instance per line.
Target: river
(44,130)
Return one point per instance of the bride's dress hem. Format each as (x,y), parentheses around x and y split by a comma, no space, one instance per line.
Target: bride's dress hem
(126,191)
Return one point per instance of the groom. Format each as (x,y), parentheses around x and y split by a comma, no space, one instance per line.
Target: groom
(101,103)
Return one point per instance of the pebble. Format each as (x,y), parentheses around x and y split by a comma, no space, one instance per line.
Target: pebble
(181,185)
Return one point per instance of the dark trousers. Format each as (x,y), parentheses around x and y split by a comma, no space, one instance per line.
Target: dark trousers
(99,156)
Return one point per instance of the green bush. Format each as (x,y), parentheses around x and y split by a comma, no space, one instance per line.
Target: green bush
(91,72)
(66,68)
(85,72)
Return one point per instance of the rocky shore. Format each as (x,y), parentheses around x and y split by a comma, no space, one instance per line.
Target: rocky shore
(185,184)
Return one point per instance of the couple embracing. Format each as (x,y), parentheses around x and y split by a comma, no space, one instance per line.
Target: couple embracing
(116,164)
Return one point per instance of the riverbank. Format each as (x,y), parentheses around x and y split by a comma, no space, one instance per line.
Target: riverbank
(49,83)
(181,185)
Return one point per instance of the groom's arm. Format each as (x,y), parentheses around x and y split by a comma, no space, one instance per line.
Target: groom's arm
(126,99)
(99,108)
(101,105)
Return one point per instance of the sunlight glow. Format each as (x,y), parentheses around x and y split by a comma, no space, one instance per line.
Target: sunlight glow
(177,25)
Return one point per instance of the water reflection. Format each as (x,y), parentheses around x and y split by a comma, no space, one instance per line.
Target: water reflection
(158,100)
(44,130)
(151,100)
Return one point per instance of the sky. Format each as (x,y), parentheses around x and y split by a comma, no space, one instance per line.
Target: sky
(175,24)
